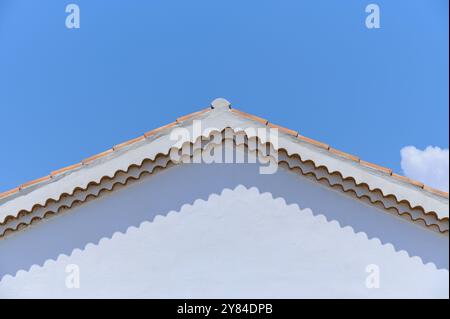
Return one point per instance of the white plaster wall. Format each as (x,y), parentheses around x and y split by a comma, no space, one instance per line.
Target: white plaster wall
(240,243)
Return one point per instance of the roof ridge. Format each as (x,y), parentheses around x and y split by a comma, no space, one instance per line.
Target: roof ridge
(221,104)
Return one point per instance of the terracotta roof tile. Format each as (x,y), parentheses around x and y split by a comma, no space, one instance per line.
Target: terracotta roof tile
(435,191)
(97,156)
(283,129)
(129,142)
(376,167)
(402,178)
(250,116)
(156,130)
(416,183)
(9,192)
(407,180)
(65,169)
(343,154)
(36,181)
(314,142)
(194,114)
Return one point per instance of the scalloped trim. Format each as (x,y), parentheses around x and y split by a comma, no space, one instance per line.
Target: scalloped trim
(161,216)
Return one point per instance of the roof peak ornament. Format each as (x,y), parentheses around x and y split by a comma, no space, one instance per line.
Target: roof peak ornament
(220,104)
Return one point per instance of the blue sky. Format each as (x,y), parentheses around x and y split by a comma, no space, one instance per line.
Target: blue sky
(135,65)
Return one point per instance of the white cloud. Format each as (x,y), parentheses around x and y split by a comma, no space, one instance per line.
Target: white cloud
(429,166)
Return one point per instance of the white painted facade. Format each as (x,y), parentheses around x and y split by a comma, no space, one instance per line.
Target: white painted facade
(223,230)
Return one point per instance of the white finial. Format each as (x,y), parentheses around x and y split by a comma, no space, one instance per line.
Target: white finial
(220,104)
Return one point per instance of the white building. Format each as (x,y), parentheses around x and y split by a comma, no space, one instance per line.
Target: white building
(153,218)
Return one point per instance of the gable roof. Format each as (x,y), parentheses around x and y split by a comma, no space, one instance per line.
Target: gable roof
(220,115)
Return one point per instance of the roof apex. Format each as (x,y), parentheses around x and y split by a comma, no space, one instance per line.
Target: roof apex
(220,104)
